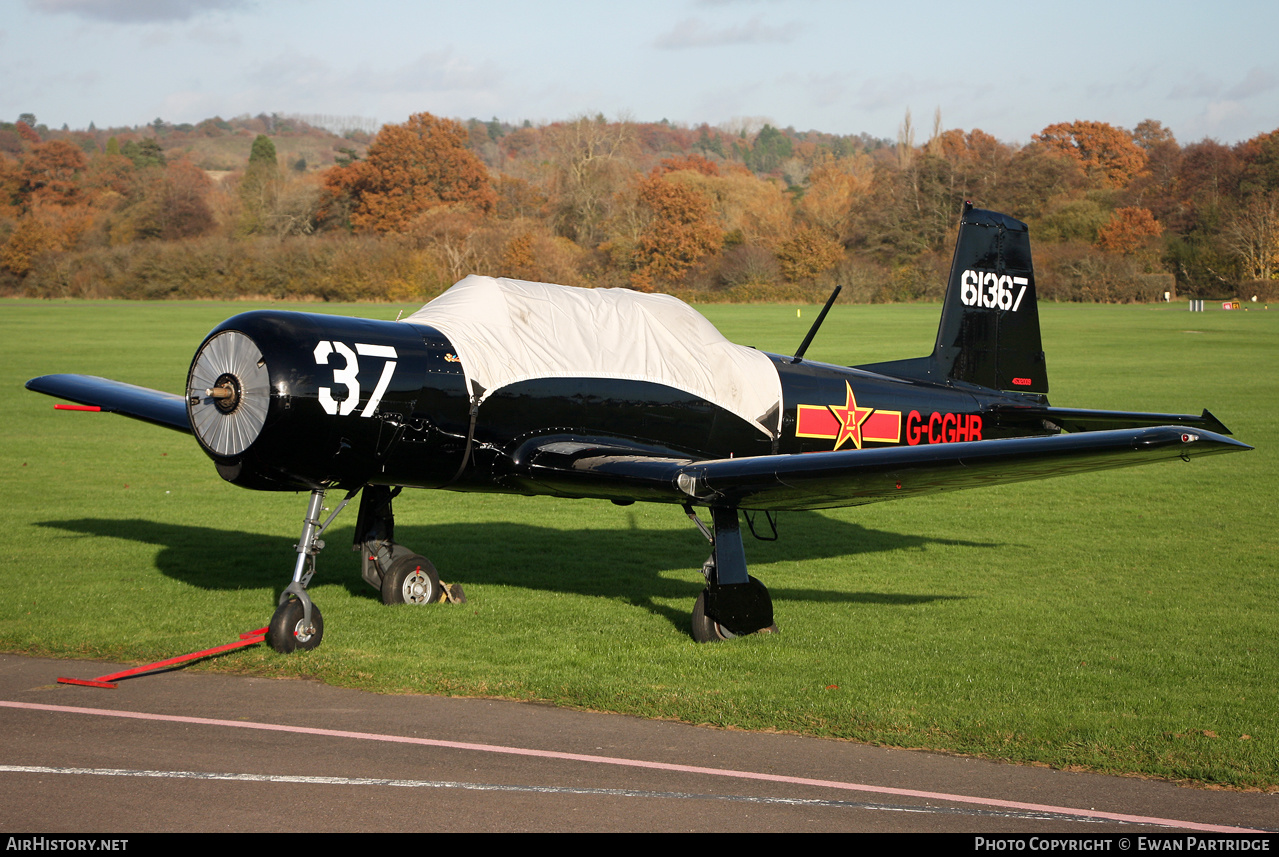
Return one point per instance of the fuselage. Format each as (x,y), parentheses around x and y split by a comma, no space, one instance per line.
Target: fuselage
(350,401)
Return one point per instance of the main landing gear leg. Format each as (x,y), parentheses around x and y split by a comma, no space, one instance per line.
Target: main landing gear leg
(733,603)
(297,623)
(402,576)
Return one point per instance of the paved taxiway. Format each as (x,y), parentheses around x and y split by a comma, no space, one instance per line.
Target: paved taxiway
(203,752)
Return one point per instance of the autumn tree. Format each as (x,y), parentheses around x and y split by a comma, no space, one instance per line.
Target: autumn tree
(518,259)
(807,253)
(26,132)
(452,233)
(1252,231)
(591,164)
(1128,230)
(1156,187)
(168,204)
(10,188)
(26,243)
(695,163)
(517,197)
(110,176)
(410,169)
(51,173)
(979,162)
(682,231)
(836,189)
(1035,179)
(1108,154)
(750,210)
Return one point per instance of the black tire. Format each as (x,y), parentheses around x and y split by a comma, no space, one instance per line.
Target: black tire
(283,633)
(706,629)
(411,579)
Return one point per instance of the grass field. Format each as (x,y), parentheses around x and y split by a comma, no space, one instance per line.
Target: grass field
(1121,621)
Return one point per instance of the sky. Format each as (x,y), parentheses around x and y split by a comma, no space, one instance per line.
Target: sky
(838,66)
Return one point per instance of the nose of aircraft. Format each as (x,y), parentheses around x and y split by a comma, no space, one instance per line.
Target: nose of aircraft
(228,392)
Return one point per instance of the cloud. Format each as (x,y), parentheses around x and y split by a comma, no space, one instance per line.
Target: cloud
(893,92)
(1255,82)
(431,72)
(696,33)
(445,82)
(1193,88)
(136,11)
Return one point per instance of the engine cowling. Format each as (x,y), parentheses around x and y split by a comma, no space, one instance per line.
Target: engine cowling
(295,401)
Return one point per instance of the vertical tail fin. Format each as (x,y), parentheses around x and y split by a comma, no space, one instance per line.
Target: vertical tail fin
(989,331)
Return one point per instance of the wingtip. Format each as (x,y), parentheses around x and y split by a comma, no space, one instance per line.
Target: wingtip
(1216,440)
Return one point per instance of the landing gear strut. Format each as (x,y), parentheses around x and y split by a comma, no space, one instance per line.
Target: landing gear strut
(733,603)
(400,575)
(297,623)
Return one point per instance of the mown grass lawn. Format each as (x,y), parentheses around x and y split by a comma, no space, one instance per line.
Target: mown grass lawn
(1121,621)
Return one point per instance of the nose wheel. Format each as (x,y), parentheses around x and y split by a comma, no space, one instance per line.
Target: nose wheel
(289,630)
(296,623)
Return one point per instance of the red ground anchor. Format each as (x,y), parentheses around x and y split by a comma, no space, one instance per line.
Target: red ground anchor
(249,639)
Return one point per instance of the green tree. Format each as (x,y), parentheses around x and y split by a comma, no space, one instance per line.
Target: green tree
(144,153)
(770,149)
(260,187)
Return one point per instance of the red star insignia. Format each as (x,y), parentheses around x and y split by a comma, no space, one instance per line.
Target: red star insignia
(850,419)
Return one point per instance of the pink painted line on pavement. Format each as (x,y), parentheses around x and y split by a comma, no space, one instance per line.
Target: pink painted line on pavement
(633,763)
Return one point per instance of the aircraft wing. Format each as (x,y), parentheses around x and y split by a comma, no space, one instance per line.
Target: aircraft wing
(140,403)
(856,477)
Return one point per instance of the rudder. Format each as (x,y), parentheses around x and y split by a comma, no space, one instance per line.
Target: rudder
(989,330)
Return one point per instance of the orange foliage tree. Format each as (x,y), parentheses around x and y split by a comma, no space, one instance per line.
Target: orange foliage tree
(1128,230)
(683,230)
(835,189)
(410,169)
(26,132)
(1106,153)
(808,253)
(696,163)
(51,173)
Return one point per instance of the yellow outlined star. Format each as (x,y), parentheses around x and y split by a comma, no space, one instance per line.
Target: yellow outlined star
(850,419)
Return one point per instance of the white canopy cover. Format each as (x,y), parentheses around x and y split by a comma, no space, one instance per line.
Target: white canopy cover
(506,331)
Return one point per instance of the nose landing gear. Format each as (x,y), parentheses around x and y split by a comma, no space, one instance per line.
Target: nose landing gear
(402,576)
(297,623)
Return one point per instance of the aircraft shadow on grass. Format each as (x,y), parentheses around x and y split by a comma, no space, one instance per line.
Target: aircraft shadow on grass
(626,564)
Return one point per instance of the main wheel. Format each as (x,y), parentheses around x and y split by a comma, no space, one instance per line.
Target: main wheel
(286,634)
(411,579)
(706,629)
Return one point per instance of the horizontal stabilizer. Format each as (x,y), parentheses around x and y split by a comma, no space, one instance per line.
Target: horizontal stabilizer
(140,403)
(1077,419)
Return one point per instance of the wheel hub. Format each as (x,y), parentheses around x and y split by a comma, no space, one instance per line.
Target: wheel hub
(417,588)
